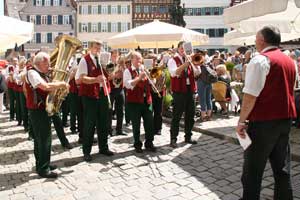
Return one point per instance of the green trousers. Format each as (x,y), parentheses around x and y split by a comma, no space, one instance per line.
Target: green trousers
(42,139)
(183,102)
(11,94)
(24,111)
(65,110)
(58,126)
(95,115)
(74,111)
(18,107)
(138,111)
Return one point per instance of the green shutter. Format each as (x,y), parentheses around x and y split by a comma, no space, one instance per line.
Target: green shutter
(128,26)
(89,27)
(79,28)
(128,9)
(99,27)
(109,9)
(119,9)
(99,9)
(109,27)
(89,10)
(80,10)
(119,26)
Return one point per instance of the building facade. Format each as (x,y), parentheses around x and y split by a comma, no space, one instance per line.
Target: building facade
(206,16)
(145,11)
(102,19)
(51,18)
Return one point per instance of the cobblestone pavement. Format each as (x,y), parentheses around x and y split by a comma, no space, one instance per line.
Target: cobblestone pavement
(206,171)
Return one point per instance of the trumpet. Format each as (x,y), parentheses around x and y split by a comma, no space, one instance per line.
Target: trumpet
(151,82)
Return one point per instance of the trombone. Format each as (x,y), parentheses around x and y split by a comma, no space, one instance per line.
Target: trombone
(151,82)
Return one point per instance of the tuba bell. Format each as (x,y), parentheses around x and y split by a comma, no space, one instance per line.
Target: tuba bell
(66,46)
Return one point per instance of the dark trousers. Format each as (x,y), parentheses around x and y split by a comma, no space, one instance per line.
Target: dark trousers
(11,94)
(18,107)
(58,126)
(81,118)
(24,111)
(127,115)
(96,115)
(42,139)
(117,98)
(138,111)
(157,110)
(65,110)
(74,111)
(270,140)
(183,102)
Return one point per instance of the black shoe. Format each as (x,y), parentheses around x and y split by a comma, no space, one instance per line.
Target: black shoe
(173,144)
(48,175)
(138,150)
(68,146)
(80,140)
(110,133)
(87,158)
(73,132)
(52,167)
(19,123)
(151,148)
(26,130)
(121,133)
(95,141)
(66,125)
(29,138)
(158,132)
(107,152)
(190,141)
(127,124)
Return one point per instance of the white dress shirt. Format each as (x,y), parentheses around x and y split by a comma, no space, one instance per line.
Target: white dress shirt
(127,78)
(256,73)
(35,78)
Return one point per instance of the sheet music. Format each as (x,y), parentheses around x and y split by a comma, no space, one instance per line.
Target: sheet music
(148,63)
(188,48)
(244,142)
(104,58)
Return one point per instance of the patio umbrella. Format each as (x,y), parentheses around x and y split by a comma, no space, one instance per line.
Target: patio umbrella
(156,34)
(14,32)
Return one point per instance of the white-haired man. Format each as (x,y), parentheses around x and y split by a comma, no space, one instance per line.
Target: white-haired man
(37,87)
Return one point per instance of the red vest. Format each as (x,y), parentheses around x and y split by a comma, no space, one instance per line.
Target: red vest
(137,94)
(276,100)
(92,90)
(11,85)
(73,86)
(35,98)
(178,84)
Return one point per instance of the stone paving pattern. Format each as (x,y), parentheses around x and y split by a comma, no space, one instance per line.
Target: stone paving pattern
(210,170)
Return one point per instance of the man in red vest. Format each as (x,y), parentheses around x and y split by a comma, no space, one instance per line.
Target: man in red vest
(94,90)
(139,102)
(183,87)
(37,88)
(268,105)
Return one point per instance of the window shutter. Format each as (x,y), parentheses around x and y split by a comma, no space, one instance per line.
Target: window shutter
(79,28)
(70,19)
(43,2)
(109,27)
(99,9)
(38,37)
(119,9)
(128,9)
(60,2)
(49,20)
(34,2)
(60,19)
(80,7)
(89,27)
(38,19)
(119,26)
(28,18)
(109,9)
(128,26)
(89,9)
(51,2)
(49,37)
(99,27)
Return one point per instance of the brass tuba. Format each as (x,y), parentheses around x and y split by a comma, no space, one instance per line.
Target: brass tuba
(66,46)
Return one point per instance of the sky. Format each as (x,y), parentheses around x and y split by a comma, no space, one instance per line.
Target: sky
(1,7)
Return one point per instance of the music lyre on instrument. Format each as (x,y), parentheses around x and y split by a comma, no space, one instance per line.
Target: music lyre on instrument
(103,59)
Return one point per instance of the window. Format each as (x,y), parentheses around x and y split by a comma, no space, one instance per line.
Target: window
(84,27)
(38,2)
(55,2)
(54,19)
(114,9)
(105,46)
(124,27)
(137,8)
(94,27)
(104,9)
(198,11)
(216,11)
(146,9)
(44,19)
(85,44)
(114,27)
(190,11)
(207,11)
(38,37)
(163,9)
(104,27)
(94,10)
(124,10)
(49,37)
(85,10)
(154,9)
(66,19)
(32,18)
(47,2)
